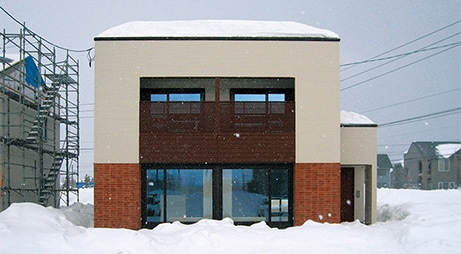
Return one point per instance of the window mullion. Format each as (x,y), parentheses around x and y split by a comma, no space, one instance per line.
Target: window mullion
(165,188)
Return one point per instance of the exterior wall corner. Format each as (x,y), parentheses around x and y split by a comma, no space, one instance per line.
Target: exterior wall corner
(117,195)
(317,191)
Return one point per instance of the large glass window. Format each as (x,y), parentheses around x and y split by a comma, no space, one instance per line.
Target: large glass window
(256,194)
(246,194)
(178,195)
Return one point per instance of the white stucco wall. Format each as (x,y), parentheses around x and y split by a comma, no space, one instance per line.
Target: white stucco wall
(121,63)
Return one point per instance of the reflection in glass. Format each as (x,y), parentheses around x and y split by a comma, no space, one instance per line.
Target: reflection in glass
(255,195)
(154,196)
(244,192)
(188,195)
(279,195)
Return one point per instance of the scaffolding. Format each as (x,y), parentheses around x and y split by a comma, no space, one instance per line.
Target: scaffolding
(39,121)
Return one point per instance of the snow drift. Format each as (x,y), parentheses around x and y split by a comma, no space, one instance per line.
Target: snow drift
(409,221)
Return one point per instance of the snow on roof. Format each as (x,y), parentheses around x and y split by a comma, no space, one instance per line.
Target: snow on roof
(217,28)
(447,150)
(355,118)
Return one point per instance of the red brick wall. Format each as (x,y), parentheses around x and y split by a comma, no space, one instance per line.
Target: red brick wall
(117,195)
(317,192)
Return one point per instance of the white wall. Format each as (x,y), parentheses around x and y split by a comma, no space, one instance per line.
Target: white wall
(120,64)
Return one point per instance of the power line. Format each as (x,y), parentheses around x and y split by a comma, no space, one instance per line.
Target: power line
(400,57)
(418,118)
(403,54)
(408,101)
(396,69)
(395,145)
(88,50)
(405,44)
(422,131)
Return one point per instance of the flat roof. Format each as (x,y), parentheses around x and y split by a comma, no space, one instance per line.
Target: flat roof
(352,119)
(216,30)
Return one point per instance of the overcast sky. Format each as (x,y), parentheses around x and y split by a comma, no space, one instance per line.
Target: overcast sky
(410,86)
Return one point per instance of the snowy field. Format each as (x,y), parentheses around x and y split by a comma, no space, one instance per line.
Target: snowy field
(409,221)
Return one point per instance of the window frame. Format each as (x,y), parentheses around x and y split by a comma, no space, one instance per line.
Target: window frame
(444,165)
(147,92)
(289,93)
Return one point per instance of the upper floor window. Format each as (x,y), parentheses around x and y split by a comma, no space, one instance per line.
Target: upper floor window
(444,164)
(173,95)
(262,95)
(261,101)
(173,101)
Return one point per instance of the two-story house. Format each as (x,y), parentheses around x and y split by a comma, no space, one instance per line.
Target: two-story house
(214,119)
(433,165)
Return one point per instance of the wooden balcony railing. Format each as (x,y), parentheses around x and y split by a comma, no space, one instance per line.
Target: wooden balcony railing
(225,132)
(234,117)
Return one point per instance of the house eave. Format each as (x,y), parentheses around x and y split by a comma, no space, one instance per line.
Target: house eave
(215,38)
(358,125)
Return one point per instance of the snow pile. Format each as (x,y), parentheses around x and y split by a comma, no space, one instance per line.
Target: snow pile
(447,150)
(409,221)
(217,28)
(354,118)
(79,214)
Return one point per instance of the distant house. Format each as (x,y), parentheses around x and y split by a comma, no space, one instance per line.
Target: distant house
(214,119)
(384,170)
(433,165)
(399,176)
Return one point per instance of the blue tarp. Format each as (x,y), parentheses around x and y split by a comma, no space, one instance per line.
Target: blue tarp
(33,77)
(82,185)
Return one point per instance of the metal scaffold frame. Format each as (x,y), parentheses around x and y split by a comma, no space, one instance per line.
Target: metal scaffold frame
(39,121)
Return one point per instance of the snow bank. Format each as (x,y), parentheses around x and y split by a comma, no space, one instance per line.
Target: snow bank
(216,28)
(409,221)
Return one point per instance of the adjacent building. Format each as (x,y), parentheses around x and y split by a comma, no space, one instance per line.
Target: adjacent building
(385,168)
(39,129)
(433,165)
(399,176)
(214,119)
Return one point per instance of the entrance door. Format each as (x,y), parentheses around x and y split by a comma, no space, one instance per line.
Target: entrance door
(347,194)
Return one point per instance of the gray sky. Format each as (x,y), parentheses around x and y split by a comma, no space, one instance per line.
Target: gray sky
(409,87)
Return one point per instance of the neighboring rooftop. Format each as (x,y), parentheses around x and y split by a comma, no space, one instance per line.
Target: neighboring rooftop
(384,162)
(437,149)
(217,29)
(352,118)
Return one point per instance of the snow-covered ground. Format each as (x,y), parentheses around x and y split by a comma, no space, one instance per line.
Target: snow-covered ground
(409,221)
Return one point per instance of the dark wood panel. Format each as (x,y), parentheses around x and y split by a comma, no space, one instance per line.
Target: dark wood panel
(175,148)
(223,148)
(185,117)
(251,147)
(190,133)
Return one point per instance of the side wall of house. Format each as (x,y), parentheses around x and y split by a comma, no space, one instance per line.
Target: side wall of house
(18,164)
(359,149)
(313,64)
(412,158)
